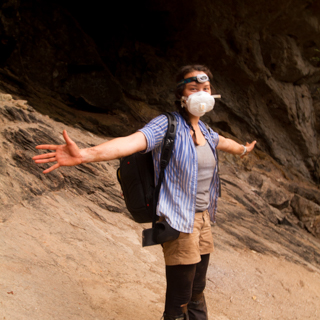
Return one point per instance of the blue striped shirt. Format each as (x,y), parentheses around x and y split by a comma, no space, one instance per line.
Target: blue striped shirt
(177,196)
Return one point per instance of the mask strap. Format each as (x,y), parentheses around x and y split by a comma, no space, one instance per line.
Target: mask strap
(183,101)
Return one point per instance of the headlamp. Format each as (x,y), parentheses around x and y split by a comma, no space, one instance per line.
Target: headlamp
(200,78)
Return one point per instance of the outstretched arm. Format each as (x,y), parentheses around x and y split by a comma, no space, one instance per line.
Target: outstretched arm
(230,146)
(69,154)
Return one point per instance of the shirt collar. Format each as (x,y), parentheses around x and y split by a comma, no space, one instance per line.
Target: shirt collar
(202,126)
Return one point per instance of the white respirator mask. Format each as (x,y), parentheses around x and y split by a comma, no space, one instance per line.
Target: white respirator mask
(198,103)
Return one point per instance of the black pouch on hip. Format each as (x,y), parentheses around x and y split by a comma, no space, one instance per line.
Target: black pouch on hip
(160,233)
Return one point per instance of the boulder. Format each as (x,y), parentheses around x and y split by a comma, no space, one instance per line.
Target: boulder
(308,213)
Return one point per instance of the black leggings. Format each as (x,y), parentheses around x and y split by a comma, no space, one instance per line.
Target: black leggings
(184,284)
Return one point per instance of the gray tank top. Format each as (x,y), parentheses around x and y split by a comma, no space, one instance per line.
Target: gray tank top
(206,165)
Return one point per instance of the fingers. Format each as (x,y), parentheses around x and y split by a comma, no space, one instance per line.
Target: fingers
(44,156)
(46,160)
(51,156)
(47,146)
(53,146)
(252,143)
(56,166)
(249,147)
(66,137)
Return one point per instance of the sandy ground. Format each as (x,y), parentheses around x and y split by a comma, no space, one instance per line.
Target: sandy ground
(64,263)
(243,284)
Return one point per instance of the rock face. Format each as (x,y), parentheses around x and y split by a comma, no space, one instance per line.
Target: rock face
(264,55)
(69,249)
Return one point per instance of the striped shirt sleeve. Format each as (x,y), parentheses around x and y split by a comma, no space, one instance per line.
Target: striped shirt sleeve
(155,131)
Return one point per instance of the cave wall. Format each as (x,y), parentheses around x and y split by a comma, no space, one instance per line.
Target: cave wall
(122,59)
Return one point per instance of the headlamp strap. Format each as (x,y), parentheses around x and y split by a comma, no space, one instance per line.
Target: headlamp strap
(200,78)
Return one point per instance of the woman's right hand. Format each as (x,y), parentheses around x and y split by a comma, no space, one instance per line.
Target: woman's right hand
(65,155)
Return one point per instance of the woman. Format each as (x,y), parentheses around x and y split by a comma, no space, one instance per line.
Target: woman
(188,196)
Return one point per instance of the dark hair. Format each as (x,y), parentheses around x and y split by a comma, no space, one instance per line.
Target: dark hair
(179,91)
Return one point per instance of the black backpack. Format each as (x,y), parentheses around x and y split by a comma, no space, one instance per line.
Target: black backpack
(136,177)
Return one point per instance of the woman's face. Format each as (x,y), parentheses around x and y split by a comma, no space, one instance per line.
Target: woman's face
(194,86)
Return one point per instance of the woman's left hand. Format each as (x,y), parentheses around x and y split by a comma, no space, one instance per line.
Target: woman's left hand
(250,147)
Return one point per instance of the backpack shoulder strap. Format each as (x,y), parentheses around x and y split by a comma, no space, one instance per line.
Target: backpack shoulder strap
(165,157)
(168,140)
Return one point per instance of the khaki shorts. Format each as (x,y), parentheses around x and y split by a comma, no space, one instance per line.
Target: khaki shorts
(188,248)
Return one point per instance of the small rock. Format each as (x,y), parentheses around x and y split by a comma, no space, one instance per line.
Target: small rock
(22,104)
(255,180)
(5,97)
(308,213)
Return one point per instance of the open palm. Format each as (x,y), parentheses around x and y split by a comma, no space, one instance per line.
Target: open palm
(64,155)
